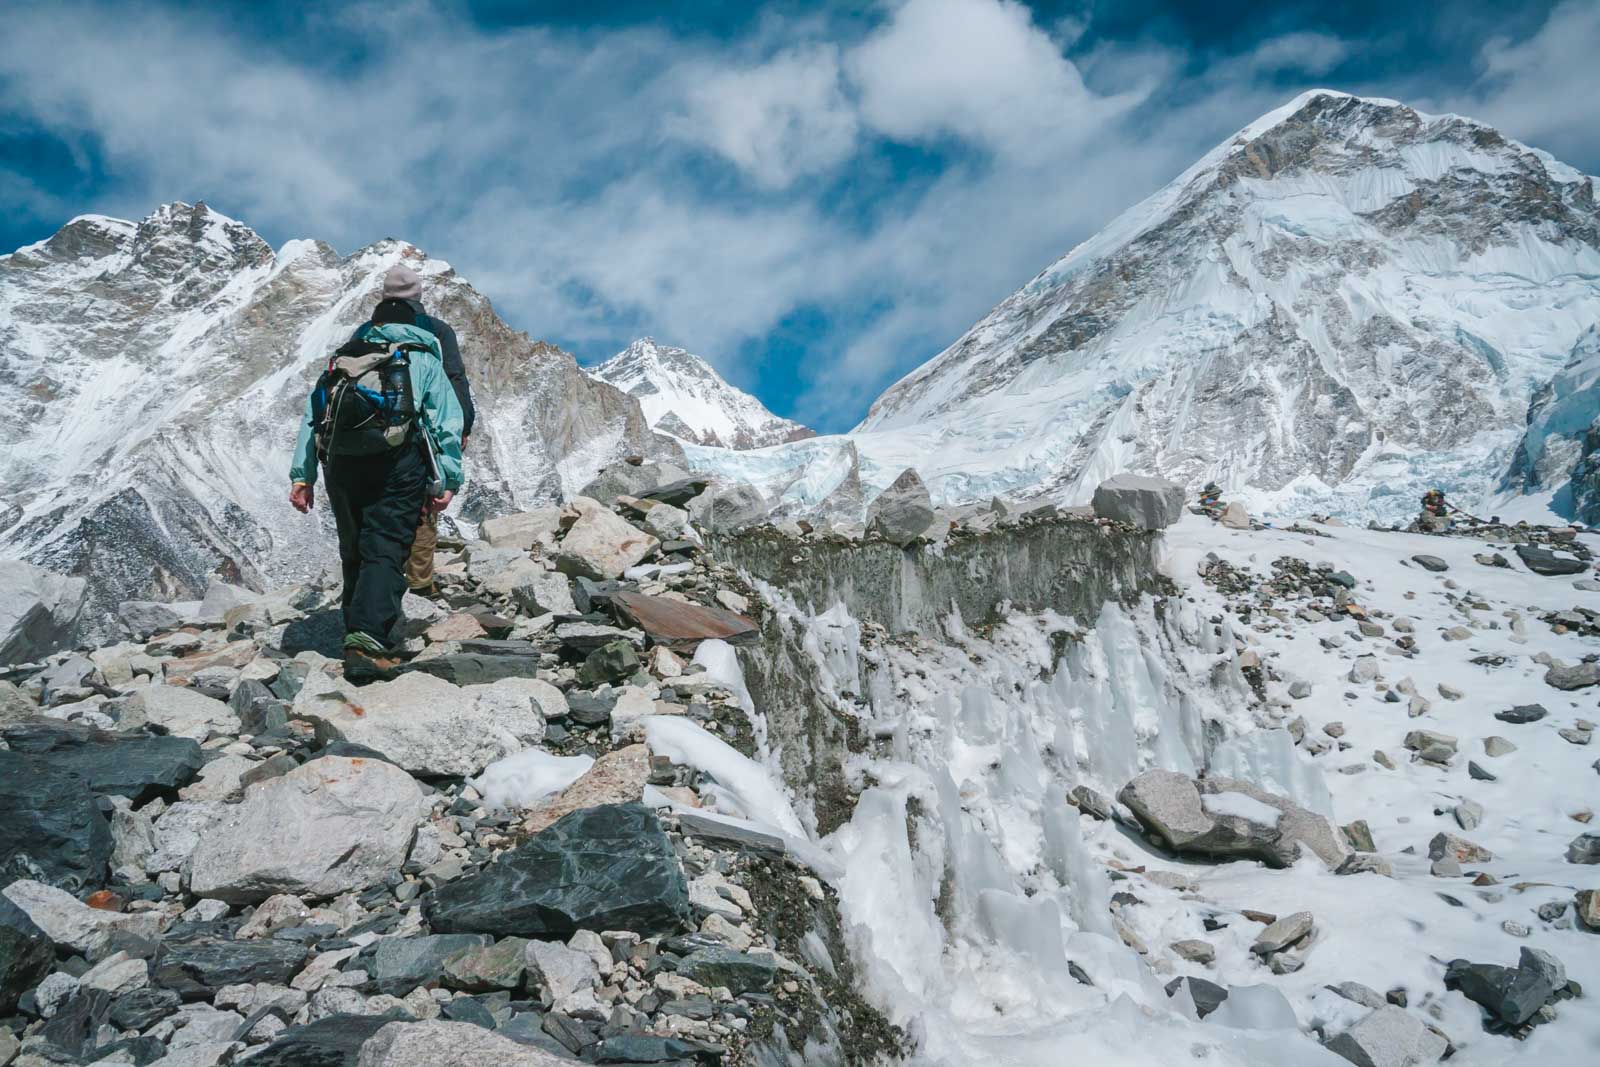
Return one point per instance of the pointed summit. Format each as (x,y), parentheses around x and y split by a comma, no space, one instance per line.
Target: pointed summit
(1342,305)
(682,395)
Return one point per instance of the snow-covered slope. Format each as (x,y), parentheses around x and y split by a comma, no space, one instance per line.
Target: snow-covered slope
(155,373)
(682,395)
(1346,303)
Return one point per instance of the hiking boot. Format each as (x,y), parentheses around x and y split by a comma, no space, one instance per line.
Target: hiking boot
(366,659)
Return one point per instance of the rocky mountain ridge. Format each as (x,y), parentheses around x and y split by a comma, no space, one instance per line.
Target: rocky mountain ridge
(158,370)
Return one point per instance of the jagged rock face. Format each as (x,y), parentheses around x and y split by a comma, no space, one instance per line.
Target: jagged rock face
(1349,301)
(157,371)
(684,396)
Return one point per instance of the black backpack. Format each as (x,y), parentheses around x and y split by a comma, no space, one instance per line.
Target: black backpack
(362,403)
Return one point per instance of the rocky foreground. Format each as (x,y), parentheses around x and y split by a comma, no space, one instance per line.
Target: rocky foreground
(217,849)
(551,834)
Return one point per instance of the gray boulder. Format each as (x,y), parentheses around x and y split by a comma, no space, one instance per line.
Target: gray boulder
(1222,817)
(904,511)
(630,479)
(425,724)
(1548,563)
(599,544)
(325,828)
(141,618)
(1150,503)
(68,922)
(726,508)
(1511,994)
(1585,848)
(39,611)
(179,711)
(524,530)
(1579,676)
(1389,1037)
(438,1043)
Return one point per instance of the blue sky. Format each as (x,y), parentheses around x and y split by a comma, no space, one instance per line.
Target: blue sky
(817,199)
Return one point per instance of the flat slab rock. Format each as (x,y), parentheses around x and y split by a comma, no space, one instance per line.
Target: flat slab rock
(676,623)
(609,867)
(137,766)
(425,724)
(449,1044)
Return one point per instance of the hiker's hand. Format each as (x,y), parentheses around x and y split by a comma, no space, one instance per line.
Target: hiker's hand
(439,503)
(464,439)
(302,497)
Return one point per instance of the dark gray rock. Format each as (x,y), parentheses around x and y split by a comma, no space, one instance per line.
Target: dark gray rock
(479,668)
(677,492)
(1207,996)
(650,1048)
(611,662)
(26,954)
(51,828)
(738,971)
(609,867)
(400,964)
(334,1041)
(590,709)
(1511,994)
(1430,563)
(196,969)
(1548,563)
(1585,848)
(144,1008)
(1522,714)
(137,766)
(731,835)
(258,707)
(1578,676)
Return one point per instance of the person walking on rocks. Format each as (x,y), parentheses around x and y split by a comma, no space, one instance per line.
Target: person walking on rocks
(404,284)
(386,427)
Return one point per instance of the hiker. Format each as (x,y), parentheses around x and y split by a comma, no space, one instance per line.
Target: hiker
(386,426)
(404,284)
(1435,516)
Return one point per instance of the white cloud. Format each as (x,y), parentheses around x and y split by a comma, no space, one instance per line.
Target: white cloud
(975,69)
(777,121)
(600,184)
(1543,89)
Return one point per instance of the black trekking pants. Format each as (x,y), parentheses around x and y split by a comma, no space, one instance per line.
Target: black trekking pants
(376,501)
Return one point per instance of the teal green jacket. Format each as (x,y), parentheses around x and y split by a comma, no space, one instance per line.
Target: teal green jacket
(440,410)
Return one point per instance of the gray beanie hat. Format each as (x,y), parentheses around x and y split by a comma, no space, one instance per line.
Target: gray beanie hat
(402,283)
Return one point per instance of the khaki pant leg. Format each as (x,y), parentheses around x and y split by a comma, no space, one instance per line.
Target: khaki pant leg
(419,566)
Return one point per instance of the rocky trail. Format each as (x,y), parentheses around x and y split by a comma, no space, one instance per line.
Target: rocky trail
(661,781)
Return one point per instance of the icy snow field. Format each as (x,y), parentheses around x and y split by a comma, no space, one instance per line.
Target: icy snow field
(968,882)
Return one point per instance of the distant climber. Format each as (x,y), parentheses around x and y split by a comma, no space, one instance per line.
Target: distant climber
(1435,514)
(386,427)
(403,284)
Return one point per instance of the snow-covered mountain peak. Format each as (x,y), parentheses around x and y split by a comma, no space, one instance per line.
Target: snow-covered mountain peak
(684,396)
(157,371)
(1345,303)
